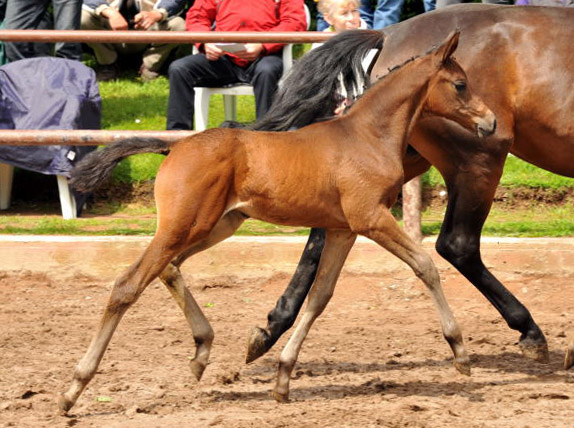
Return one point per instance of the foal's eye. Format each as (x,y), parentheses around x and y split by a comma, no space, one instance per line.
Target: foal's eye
(460,87)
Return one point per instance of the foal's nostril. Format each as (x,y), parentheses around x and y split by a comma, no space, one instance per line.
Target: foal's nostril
(485,128)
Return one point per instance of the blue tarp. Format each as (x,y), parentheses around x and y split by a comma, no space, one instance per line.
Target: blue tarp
(47,93)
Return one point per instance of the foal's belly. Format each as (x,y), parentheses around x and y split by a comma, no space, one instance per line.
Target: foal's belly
(287,212)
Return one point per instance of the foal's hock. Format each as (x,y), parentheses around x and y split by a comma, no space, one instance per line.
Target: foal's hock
(342,175)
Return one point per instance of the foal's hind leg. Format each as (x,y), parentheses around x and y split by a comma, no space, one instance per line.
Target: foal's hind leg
(337,247)
(173,280)
(125,292)
(387,233)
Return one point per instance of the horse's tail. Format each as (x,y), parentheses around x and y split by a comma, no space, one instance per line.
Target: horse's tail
(308,92)
(97,166)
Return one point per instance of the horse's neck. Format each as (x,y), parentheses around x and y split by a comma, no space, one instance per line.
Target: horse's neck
(391,106)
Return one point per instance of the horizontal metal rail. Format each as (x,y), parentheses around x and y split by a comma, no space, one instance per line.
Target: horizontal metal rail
(47,36)
(81,137)
(105,137)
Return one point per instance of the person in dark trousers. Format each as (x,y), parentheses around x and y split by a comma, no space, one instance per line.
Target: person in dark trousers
(258,64)
(142,15)
(34,15)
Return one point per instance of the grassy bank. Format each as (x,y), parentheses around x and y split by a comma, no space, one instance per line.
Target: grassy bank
(131,104)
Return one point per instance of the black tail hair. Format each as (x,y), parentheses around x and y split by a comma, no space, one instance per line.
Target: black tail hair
(97,166)
(308,92)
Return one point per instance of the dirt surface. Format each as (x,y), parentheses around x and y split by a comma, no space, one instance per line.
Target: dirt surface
(375,358)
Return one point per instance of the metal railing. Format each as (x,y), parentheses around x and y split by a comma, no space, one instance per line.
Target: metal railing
(87,137)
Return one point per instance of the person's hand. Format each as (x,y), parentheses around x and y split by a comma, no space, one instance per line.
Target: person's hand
(251,53)
(212,52)
(144,20)
(115,18)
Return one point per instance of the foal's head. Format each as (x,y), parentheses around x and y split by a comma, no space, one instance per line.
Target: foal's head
(449,95)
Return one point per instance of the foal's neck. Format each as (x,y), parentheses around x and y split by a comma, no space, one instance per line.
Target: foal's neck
(389,109)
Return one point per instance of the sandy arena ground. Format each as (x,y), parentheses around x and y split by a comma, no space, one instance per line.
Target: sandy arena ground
(375,358)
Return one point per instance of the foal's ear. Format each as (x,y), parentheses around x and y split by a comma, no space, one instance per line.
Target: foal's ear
(447,48)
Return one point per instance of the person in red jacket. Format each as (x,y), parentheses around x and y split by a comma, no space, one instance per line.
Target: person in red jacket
(258,64)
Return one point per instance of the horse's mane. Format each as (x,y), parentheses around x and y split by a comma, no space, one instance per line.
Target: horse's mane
(307,93)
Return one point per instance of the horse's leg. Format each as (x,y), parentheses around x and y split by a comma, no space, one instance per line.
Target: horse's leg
(174,282)
(282,317)
(569,358)
(469,201)
(386,232)
(125,292)
(337,246)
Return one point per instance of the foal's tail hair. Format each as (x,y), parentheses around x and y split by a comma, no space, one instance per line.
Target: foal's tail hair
(308,92)
(97,166)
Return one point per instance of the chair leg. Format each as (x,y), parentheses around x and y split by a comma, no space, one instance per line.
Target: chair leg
(201,109)
(67,200)
(6,176)
(230,107)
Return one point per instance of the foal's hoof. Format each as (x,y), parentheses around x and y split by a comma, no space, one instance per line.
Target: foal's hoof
(257,344)
(280,398)
(569,358)
(462,366)
(64,405)
(535,350)
(197,369)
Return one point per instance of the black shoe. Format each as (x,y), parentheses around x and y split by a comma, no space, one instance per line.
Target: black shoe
(107,72)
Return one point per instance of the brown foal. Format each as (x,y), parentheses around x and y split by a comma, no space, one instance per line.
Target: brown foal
(343,175)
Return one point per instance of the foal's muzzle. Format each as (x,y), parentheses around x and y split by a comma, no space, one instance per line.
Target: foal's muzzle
(486,126)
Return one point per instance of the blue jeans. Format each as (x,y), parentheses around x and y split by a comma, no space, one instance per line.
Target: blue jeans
(32,15)
(429,5)
(387,12)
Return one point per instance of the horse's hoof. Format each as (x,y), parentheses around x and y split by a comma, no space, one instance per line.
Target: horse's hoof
(64,405)
(535,351)
(257,344)
(569,358)
(280,398)
(197,369)
(462,366)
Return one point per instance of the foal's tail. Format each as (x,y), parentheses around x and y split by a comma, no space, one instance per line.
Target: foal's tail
(308,92)
(97,166)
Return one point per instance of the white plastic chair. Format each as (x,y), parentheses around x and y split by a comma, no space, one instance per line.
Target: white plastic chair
(230,93)
(67,200)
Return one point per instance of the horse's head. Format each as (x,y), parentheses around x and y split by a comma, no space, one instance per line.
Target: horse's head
(449,94)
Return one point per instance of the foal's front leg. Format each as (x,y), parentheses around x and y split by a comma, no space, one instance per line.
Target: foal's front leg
(337,246)
(390,236)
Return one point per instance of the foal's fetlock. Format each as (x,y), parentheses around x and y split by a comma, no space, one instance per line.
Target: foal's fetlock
(258,343)
(536,350)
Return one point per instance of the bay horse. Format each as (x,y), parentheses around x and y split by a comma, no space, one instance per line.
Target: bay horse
(352,169)
(521,63)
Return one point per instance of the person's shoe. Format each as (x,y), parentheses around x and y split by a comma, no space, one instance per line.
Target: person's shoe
(107,72)
(147,75)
